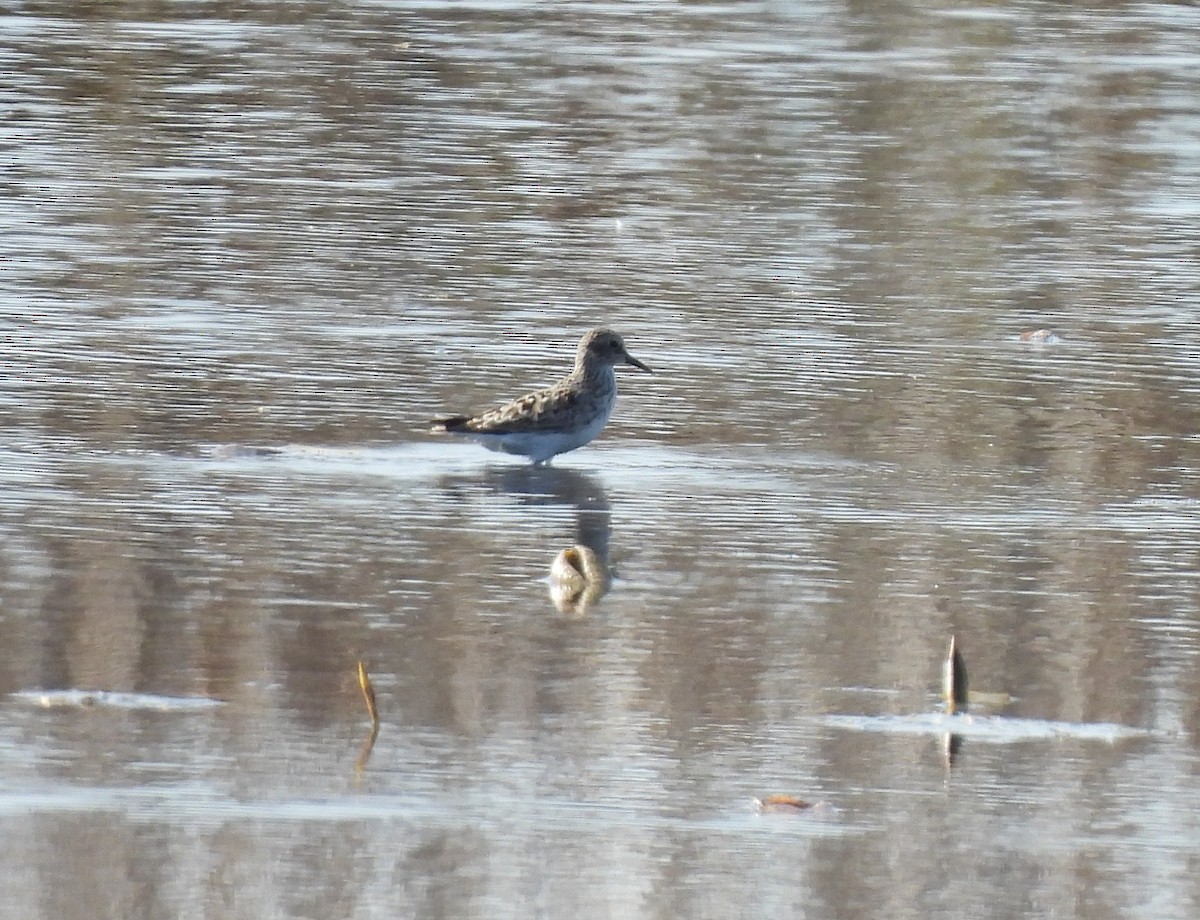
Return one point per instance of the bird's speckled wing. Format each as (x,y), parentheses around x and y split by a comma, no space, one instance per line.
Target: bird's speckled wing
(554,408)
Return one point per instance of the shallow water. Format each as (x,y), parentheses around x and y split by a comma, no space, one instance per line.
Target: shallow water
(253,249)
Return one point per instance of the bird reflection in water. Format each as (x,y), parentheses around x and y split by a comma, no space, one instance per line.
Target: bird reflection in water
(578,579)
(580,574)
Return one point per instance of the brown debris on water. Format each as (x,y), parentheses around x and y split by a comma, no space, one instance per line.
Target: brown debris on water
(775,804)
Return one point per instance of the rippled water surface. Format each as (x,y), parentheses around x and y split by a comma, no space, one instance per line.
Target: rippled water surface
(252,248)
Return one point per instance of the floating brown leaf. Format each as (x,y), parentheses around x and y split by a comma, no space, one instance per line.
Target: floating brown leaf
(782,803)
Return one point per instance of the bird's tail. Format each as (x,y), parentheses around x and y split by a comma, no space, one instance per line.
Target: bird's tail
(454,423)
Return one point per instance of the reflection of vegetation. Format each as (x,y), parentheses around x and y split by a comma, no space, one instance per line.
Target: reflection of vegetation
(951,747)
(368,692)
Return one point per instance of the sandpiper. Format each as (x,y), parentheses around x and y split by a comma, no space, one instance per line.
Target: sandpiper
(559,418)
